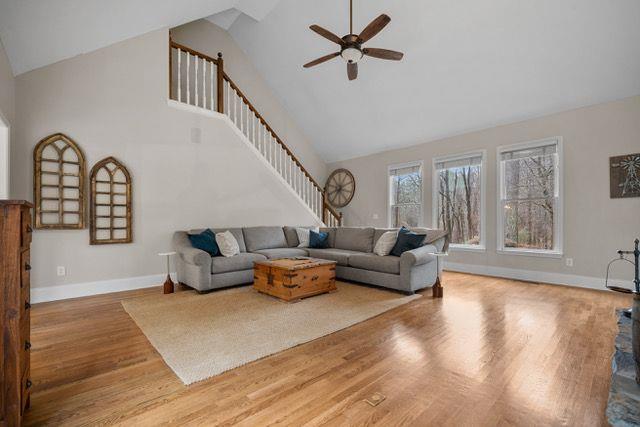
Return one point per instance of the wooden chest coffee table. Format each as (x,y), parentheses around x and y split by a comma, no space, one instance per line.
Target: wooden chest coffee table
(292,279)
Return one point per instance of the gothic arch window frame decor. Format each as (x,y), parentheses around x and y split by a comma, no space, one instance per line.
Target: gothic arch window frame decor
(58,183)
(110,203)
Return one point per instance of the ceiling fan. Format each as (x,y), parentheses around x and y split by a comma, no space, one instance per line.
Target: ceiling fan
(351,44)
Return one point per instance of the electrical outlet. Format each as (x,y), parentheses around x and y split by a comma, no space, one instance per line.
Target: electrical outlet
(376,216)
(569,262)
(62,271)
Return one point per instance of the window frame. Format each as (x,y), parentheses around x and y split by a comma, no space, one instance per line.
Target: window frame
(420,165)
(481,247)
(558,232)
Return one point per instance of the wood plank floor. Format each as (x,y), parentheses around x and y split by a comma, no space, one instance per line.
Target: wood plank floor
(492,352)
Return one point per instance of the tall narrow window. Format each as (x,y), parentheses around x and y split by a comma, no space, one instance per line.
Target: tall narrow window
(405,195)
(458,200)
(530,198)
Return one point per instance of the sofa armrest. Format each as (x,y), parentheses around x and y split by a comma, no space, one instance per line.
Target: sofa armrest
(419,256)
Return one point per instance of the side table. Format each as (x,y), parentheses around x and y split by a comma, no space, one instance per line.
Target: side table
(437,289)
(168,285)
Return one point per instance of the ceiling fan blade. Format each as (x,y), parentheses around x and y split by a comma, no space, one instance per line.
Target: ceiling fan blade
(327,34)
(352,70)
(374,28)
(391,55)
(321,60)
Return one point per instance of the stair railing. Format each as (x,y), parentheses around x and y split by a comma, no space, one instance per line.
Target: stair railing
(200,80)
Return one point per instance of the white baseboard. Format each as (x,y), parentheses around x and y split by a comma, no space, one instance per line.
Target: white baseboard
(76,290)
(536,276)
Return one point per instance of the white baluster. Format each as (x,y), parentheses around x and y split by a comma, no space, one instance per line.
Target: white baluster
(188,87)
(204,83)
(179,77)
(213,108)
(228,90)
(195,85)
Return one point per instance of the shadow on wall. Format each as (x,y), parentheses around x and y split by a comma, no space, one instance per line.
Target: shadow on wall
(4,157)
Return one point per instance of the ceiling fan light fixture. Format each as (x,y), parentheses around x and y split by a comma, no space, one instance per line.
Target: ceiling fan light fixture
(351,55)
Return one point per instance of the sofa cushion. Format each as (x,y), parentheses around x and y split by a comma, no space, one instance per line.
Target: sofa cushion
(354,239)
(318,240)
(407,241)
(205,241)
(385,243)
(341,256)
(264,238)
(373,262)
(242,261)
(227,244)
(282,252)
(237,233)
(379,232)
(332,235)
(292,236)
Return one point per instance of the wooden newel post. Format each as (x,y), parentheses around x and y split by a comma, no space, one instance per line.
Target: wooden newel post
(220,83)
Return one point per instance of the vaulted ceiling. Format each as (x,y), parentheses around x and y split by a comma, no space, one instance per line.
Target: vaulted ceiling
(40,32)
(468,65)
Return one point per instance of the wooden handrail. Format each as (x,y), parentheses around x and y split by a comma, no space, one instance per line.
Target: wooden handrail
(221,77)
(193,52)
(272,132)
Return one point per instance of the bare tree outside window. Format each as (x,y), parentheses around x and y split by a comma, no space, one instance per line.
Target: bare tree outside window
(529,197)
(458,185)
(405,193)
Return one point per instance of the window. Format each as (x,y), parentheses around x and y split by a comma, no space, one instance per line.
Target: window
(458,198)
(530,198)
(405,195)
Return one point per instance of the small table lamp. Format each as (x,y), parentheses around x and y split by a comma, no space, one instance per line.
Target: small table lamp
(168,284)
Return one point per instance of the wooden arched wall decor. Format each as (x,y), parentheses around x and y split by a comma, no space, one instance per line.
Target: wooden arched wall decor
(58,183)
(110,203)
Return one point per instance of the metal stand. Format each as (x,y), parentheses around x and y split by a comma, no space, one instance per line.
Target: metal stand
(636,281)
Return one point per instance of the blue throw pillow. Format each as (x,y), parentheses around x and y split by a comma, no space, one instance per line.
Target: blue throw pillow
(407,240)
(318,240)
(205,241)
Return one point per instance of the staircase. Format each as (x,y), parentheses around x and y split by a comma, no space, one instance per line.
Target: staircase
(200,81)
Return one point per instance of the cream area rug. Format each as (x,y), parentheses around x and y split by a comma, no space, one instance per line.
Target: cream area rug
(200,336)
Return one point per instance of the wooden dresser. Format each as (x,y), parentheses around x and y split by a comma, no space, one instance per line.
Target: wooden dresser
(15,239)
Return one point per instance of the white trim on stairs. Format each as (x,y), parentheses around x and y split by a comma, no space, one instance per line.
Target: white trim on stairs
(535,276)
(76,290)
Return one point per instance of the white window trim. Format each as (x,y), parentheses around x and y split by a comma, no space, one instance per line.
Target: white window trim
(559,222)
(483,198)
(418,163)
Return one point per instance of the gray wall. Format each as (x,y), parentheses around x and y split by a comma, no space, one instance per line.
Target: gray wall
(7,86)
(595,226)
(7,106)
(205,37)
(114,102)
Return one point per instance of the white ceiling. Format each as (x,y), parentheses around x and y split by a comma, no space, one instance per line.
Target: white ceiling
(468,65)
(36,33)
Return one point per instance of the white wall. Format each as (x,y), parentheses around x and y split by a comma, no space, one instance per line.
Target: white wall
(114,102)
(595,226)
(206,37)
(7,105)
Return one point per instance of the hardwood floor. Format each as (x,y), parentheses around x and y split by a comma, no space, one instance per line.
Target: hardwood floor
(491,352)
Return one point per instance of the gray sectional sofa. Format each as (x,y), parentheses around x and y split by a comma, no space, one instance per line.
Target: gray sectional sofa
(350,247)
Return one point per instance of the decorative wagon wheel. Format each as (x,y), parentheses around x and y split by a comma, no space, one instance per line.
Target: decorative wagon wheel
(340,188)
